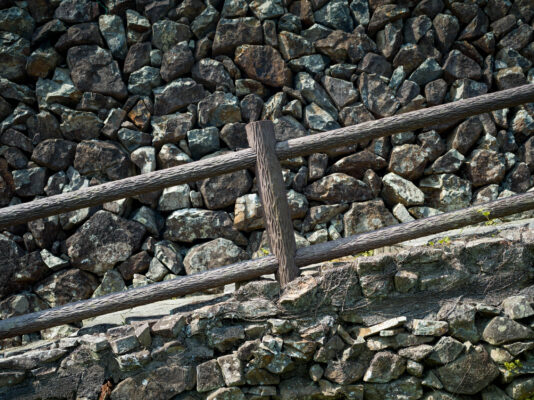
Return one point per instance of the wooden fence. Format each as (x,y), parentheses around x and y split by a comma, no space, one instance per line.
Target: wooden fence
(264,154)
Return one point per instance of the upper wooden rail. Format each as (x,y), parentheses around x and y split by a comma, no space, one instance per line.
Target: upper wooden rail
(255,268)
(246,158)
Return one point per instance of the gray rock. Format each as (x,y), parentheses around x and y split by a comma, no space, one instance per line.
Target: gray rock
(396,189)
(385,367)
(174,198)
(517,307)
(484,167)
(93,69)
(293,46)
(205,22)
(263,63)
(29,182)
(170,128)
(342,92)
(448,163)
(56,154)
(177,95)
(428,71)
(336,188)
(169,255)
(66,286)
(103,159)
(457,65)
(142,81)
(213,75)
(149,218)
(367,216)
(209,376)
(132,139)
(203,141)
(111,282)
(356,164)
(232,33)
(377,95)
(213,254)
(502,330)
(191,224)
(446,192)
(407,161)
(167,33)
(407,388)
(144,158)
(177,61)
(171,156)
(319,119)
(267,9)
(314,93)
(470,373)
(222,191)
(313,63)
(336,15)
(218,109)
(104,240)
(137,57)
(113,31)
(14,51)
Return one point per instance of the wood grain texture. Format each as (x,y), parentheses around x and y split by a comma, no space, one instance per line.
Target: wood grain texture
(220,165)
(255,268)
(273,196)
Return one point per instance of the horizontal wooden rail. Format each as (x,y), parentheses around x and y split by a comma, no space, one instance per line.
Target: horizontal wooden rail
(246,158)
(254,268)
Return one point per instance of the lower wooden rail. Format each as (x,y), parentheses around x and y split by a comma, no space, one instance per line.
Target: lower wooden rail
(255,268)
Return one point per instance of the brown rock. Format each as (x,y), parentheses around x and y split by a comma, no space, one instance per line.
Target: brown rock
(407,161)
(264,64)
(356,164)
(232,33)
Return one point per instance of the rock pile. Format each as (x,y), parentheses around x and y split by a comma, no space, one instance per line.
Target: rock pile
(308,343)
(94,91)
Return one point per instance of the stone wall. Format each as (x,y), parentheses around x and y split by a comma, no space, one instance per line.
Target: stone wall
(93,91)
(448,320)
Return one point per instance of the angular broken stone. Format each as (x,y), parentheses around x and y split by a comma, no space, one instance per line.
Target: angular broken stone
(336,188)
(94,70)
(470,373)
(367,216)
(502,330)
(190,224)
(177,95)
(213,254)
(104,240)
(263,63)
(385,366)
(396,189)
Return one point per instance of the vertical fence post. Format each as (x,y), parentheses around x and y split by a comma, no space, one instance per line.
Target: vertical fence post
(272,192)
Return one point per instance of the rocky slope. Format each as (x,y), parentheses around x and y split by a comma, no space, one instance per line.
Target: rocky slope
(97,91)
(383,327)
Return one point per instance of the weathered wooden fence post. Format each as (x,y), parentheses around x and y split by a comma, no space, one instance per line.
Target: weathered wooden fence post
(272,192)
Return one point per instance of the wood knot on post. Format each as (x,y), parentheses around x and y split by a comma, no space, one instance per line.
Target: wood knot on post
(273,196)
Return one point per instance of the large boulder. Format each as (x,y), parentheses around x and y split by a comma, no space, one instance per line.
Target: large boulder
(103,241)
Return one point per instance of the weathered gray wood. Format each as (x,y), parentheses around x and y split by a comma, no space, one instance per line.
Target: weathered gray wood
(254,268)
(272,192)
(245,158)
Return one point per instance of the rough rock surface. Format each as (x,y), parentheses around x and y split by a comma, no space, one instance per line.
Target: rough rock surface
(95,91)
